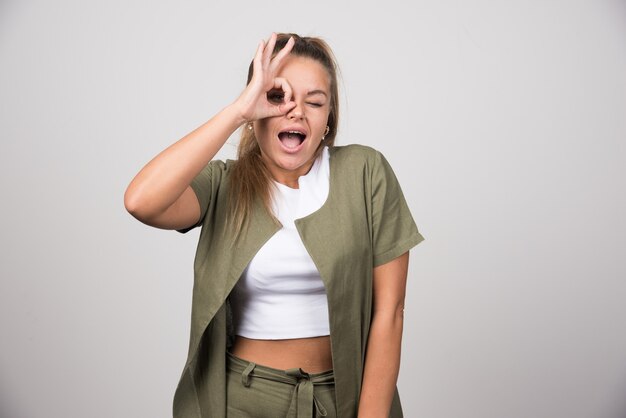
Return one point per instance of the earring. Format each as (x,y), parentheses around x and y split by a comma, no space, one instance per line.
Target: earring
(249,126)
(325,132)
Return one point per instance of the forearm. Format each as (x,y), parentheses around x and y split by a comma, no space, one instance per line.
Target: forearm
(382,365)
(160,182)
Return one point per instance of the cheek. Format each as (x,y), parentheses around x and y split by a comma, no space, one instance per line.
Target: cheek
(262,131)
(265,126)
(322,122)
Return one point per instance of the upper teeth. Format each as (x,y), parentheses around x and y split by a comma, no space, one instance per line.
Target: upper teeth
(295,132)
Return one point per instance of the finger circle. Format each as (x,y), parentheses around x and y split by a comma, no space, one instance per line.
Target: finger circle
(283,84)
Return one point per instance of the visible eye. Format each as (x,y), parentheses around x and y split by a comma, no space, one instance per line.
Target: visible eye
(275,96)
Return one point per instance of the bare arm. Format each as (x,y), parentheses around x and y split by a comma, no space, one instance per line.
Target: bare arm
(382,361)
(160,194)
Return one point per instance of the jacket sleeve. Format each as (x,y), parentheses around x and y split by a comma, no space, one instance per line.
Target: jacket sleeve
(205,186)
(393,229)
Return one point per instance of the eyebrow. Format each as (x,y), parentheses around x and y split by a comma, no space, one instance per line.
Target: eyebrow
(314,92)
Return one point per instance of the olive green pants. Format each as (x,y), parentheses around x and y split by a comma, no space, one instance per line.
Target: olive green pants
(255,391)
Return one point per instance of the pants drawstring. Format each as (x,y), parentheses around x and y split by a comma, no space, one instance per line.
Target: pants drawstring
(303,399)
(304,403)
(245,376)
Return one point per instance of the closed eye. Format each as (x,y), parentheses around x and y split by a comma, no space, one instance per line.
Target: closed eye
(316,104)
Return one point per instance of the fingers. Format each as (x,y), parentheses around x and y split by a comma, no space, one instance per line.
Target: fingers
(286,107)
(269,49)
(282,54)
(255,98)
(263,60)
(270,63)
(279,109)
(257,61)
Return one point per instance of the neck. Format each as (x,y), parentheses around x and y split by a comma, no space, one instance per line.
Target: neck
(289,177)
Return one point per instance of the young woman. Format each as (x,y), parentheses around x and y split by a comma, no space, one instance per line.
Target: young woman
(301,265)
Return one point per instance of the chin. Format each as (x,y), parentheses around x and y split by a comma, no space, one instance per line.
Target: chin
(291,163)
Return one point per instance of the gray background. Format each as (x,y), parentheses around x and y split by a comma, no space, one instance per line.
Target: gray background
(505,122)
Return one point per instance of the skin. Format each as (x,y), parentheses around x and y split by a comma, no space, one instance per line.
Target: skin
(160,196)
(382,360)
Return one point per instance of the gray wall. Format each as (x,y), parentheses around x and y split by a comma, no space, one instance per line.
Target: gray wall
(505,122)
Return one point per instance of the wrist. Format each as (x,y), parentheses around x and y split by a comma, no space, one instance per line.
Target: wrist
(235,115)
(242,110)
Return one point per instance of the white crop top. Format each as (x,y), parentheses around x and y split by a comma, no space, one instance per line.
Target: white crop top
(280,294)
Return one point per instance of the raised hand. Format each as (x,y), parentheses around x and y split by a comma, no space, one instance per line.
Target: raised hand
(266,95)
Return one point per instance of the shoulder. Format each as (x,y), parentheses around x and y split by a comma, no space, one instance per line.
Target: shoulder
(219,169)
(374,166)
(221,165)
(361,157)
(211,177)
(356,154)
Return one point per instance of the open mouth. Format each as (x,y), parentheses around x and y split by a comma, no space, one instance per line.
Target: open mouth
(292,139)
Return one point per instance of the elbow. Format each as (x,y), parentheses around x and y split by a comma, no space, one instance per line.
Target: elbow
(130,201)
(134,204)
(392,318)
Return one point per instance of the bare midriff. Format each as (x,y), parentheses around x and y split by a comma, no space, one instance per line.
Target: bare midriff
(313,355)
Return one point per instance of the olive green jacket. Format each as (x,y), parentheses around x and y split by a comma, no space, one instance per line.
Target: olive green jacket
(364,222)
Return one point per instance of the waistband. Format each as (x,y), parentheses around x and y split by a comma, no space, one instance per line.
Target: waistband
(303,398)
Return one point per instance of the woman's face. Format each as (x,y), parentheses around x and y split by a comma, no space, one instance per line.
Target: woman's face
(288,142)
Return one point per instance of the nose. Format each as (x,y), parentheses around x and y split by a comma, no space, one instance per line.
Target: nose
(296,113)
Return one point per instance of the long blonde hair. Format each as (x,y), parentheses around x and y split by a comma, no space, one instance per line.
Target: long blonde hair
(250,178)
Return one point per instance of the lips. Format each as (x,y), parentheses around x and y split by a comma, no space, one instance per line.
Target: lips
(292,139)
